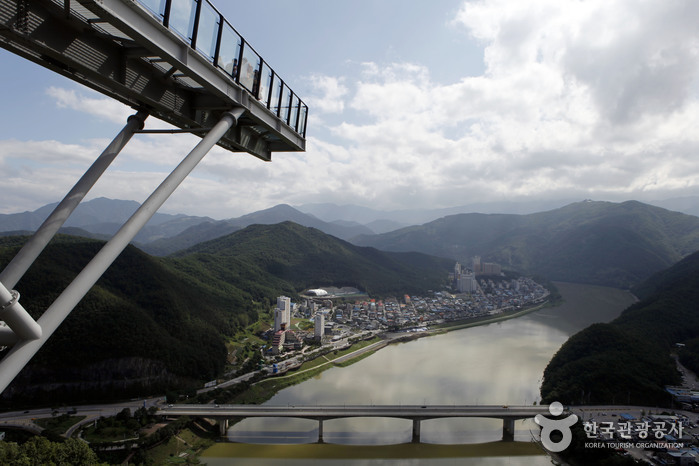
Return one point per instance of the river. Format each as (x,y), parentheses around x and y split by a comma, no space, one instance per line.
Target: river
(495,364)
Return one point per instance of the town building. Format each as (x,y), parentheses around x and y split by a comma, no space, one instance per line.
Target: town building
(467,283)
(282,314)
(278,341)
(319,326)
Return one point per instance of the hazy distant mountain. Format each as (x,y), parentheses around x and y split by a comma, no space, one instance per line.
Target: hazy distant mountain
(284,213)
(585,242)
(365,216)
(165,233)
(687,205)
(277,214)
(102,217)
(384,226)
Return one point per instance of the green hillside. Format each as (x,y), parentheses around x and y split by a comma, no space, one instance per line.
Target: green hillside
(306,257)
(631,355)
(151,323)
(587,242)
(145,326)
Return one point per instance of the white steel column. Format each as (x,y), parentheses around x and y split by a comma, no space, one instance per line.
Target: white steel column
(23,351)
(20,325)
(31,250)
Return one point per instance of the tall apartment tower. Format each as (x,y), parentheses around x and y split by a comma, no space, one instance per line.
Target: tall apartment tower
(282,314)
(467,283)
(477,264)
(319,326)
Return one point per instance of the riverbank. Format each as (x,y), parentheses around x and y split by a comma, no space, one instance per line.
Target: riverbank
(484,320)
(397,451)
(493,364)
(262,390)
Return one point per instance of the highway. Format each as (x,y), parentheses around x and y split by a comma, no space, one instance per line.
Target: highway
(25,419)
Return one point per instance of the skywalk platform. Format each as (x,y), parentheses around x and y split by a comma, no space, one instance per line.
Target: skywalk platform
(179,60)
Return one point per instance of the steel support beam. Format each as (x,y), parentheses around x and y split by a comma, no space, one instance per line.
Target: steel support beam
(31,250)
(23,351)
(20,325)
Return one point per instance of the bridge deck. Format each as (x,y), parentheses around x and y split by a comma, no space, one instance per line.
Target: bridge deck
(333,412)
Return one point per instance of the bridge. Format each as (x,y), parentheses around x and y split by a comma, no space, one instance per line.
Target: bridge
(178,60)
(416,413)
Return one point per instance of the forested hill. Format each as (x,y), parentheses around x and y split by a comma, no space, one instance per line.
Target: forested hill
(605,243)
(629,358)
(156,323)
(146,325)
(306,257)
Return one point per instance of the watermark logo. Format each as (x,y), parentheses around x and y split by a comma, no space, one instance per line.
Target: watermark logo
(549,426)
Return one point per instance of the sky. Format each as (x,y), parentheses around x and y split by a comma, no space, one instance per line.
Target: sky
(411,105)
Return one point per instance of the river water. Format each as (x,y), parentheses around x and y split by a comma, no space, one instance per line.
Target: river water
(495,364)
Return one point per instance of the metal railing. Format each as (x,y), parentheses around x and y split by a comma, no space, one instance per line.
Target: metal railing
(204,29)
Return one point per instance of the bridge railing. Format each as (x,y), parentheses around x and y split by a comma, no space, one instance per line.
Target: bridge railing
(204,29)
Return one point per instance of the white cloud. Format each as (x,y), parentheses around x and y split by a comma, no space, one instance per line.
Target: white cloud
(108,109)
(332,92)
(578,99)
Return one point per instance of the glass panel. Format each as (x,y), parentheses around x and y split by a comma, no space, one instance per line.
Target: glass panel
(207,33)
(294,111)
(265,82)
(276,92)
(155,6)
(182,14)
(286,100)
(249,69)
(302,120)
(229,51)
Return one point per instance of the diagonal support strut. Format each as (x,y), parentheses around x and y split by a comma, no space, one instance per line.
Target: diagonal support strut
(23,351)
(20,325)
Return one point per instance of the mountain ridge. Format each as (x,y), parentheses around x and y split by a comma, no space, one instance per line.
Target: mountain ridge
(586,242)
(630,356)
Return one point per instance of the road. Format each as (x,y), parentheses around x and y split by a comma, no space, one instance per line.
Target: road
(330,412)
(25,419)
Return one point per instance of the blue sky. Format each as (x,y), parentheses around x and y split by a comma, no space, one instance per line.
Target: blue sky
(412,104)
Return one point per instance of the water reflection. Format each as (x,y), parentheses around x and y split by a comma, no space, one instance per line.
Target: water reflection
(494,364)
(497,461)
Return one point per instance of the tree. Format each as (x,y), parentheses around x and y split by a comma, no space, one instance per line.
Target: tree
(40,450)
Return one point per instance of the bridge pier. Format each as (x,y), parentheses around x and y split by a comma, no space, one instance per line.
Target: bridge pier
(223,427)
(508,430)
(416,431)
(320,431)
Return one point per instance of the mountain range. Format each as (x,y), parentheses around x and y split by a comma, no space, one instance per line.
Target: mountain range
(154,322)
(586,242)
(281,213)
(616,244)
